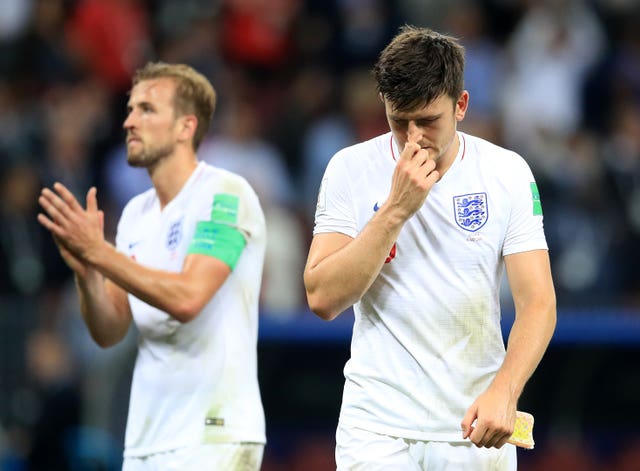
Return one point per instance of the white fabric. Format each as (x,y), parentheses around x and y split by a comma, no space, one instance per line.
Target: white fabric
(360,450)
(206,368)
(213,456)
(427,338)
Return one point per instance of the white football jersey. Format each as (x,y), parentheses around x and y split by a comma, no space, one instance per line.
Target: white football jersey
(427,338)
(195,382)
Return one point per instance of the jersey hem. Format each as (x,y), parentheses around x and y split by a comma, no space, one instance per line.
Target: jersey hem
(147,451)
(409,434)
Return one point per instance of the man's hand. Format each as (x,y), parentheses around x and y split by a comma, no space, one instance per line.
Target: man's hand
(494,413)
(76,231)
(412,179)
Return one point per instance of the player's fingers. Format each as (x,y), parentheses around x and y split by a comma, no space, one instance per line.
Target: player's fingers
(54,203)
(467,422)
(420,157)
(92,200)
(479,435)
(431,178)
(409,151)
(499,439)
(49,224)
(490,438)
(50,205)
(67,196)
(500,443)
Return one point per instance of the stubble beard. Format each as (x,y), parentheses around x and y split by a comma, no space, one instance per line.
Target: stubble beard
(149,157)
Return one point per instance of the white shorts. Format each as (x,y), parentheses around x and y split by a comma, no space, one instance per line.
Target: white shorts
(361,450)
(207,457)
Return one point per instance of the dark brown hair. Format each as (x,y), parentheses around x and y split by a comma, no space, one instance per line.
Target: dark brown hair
(194,93)
(418,66)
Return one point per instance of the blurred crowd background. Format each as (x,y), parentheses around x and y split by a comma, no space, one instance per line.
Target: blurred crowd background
(556,80)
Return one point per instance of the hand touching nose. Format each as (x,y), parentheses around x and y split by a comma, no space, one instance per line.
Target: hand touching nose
(413,178)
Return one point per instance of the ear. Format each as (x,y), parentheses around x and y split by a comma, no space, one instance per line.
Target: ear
(462,105)
(187,126)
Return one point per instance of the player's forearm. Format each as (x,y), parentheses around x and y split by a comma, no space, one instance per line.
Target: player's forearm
(528,340)
(336,282)
(168,291)
(106,319)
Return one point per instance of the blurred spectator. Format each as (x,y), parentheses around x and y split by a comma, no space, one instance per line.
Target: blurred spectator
(14,16)
(57,406)
(196,44)
(110,39)
(582,245)
(240,148)
(549,54)
(38,56)
(258,33)
(621,152)
(74,121)
(484,68)
(310,96)
(27,256)
(359,117)
(365,27)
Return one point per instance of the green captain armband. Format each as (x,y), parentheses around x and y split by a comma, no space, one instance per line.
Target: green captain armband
(218,240)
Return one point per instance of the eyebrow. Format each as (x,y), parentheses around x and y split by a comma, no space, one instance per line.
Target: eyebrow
(131,106)
(431,117)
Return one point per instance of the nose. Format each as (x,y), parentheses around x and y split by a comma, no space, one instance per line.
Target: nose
(413,132)
(128,122)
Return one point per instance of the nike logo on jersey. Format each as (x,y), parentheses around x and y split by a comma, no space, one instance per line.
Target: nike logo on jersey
(392,253)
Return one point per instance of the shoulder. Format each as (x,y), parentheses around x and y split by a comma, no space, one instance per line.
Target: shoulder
(219,180)
(492,155)
(365,153)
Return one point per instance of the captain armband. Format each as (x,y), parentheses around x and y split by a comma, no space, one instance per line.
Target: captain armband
(218,240)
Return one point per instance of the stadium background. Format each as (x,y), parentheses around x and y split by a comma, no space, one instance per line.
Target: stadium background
(556,80)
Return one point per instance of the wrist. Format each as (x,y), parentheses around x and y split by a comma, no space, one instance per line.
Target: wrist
(394,215)
(98,254)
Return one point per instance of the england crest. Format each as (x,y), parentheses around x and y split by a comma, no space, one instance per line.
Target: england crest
(471,211)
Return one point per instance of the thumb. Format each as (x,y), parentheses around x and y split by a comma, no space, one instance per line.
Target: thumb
(469,417)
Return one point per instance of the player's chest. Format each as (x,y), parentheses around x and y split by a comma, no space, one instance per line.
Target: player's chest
(160,239)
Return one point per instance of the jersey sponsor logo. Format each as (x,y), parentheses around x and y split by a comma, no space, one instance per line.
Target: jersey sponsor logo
(392,252)
(471,211)
(175,235)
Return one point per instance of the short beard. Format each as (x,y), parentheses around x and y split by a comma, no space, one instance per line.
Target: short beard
(149,158)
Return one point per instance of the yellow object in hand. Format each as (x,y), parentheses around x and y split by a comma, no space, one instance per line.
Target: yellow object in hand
(523,431)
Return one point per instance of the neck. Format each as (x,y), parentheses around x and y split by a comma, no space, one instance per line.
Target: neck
(170,175)
(449,156)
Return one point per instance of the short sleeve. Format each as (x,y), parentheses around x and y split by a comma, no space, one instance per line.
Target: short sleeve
(525,230)
(226,225)
(335,210)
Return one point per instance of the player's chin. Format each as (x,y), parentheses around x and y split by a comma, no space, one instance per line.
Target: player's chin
(136,159)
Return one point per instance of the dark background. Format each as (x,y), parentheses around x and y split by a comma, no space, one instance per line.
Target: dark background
(557,81)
